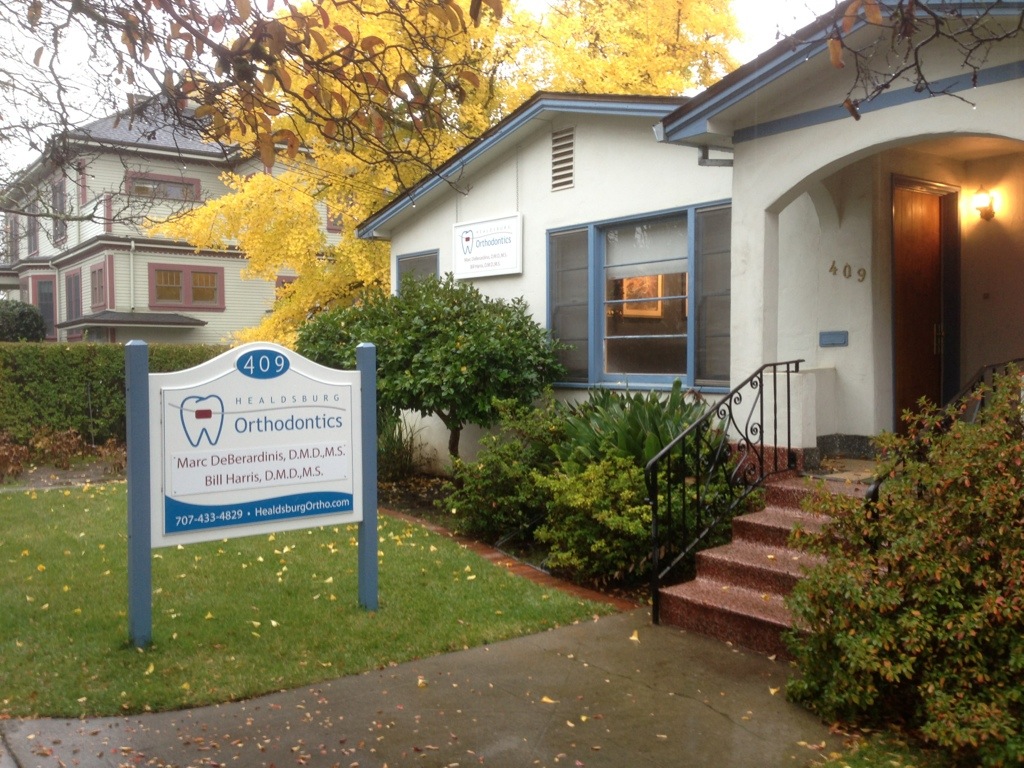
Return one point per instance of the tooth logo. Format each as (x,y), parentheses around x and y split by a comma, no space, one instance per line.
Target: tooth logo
(202,417)
(467,241)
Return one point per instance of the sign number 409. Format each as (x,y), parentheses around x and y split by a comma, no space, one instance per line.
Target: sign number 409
(262,364)
(847,271)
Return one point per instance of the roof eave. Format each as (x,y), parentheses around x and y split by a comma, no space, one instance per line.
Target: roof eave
(377,225)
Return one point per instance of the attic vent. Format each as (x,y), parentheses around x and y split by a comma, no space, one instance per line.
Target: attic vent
(563,159)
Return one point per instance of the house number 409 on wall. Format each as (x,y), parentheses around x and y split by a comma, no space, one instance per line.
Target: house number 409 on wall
(847,272)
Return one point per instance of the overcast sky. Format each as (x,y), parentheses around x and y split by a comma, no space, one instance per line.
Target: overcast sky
(759,20)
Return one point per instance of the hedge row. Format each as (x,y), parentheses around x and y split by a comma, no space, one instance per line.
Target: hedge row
(77,386)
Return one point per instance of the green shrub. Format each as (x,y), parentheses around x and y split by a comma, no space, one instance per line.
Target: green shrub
(443,348)
(397,446)
(918,616)
(76,386)
(632,425)
(495,497)
(598,526)
(21,322)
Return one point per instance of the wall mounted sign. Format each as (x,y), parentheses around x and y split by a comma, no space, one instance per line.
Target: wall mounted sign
(485,248)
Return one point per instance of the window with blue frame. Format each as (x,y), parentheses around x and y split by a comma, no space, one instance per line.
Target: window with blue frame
(644,299)
(416,266)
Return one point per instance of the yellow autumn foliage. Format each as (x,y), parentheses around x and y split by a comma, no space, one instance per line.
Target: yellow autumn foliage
(662,47)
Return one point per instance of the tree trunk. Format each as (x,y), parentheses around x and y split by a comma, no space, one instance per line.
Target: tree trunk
(454,433)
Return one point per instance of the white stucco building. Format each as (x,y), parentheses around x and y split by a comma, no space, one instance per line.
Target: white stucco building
(854,245)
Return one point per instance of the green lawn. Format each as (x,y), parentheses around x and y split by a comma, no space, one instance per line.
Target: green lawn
(233,618)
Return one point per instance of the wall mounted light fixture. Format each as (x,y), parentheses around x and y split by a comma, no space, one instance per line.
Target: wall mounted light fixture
(984,203)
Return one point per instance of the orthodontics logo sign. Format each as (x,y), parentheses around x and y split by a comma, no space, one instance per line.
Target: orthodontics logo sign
(257,439)
(491,247)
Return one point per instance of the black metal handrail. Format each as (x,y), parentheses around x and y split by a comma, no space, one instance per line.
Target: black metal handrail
(705,474)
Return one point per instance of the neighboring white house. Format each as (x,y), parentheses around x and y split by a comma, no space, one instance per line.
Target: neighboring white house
(81,252)
(618,243)
(854,245)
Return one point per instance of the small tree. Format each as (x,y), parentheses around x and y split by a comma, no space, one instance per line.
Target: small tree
(442,349)
(21,322)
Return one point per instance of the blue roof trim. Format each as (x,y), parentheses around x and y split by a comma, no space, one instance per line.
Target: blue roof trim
(694,123)
(955,84)
(630,106)
(693,119)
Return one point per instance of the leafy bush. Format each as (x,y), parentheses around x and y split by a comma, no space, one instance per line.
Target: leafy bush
(12,457)
(396,446)
(632,425)
(918,615)
(76,386)
(443,348)
(21,322)
(496,497)
(49,446)
(599,522)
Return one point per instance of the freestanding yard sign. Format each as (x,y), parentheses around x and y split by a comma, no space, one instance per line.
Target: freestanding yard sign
(257,440)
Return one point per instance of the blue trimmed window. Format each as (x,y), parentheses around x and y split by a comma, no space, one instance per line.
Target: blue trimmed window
(415,265)
(644,300)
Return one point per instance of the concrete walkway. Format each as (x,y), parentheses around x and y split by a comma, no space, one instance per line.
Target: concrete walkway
(614,692)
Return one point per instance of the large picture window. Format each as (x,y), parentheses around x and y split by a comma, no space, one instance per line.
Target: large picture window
(644,300)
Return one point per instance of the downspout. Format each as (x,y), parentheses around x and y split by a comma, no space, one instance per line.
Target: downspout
(131,275)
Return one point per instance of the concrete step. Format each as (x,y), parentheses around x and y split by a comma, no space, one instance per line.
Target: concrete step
(755,566)
(746,617)
(774,525)
(739,590)
(791,491)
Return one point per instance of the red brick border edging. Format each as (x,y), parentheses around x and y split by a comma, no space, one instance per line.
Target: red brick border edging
(517,567)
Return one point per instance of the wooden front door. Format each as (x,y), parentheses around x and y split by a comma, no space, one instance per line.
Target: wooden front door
(925,326)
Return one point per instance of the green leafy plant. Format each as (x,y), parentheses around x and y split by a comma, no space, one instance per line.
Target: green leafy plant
(76,386)
(21,322)
(632,425)
(917,616)
(495,497)
(397,446)
(598,526)
(443,349)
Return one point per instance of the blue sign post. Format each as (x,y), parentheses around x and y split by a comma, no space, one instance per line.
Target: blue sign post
(257,440)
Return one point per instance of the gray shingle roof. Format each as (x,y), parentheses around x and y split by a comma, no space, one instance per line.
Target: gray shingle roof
(149,126)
